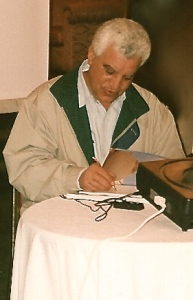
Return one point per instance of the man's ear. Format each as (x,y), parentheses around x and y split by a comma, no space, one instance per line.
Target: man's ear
(91,54)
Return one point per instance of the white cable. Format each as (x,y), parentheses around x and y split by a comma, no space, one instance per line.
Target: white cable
(159,212)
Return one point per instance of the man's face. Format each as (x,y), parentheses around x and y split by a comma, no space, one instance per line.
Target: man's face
(110,74)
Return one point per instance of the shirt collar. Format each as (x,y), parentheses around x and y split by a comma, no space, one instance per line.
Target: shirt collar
(83,91)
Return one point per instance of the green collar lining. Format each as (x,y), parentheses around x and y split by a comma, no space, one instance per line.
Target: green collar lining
(66,93)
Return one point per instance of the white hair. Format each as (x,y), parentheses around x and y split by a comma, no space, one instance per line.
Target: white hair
(126,36)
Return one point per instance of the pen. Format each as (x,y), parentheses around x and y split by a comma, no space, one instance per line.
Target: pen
(96,161)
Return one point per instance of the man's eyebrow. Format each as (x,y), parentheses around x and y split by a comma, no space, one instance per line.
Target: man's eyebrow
(109,66)
(127,76)
(130,76)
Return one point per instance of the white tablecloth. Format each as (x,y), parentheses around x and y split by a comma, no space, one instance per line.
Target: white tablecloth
(61,252)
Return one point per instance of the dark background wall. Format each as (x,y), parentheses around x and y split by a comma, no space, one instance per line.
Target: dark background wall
(169,71)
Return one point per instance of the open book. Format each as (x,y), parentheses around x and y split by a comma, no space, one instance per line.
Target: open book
(124,163)
(121,163)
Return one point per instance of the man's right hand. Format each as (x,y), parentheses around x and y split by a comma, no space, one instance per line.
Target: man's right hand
(96,179)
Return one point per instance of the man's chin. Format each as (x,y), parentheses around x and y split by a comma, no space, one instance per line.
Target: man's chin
(106,101)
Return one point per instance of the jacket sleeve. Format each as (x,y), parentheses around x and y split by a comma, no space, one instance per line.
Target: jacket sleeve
(165,138)
(158,131)
(36,166)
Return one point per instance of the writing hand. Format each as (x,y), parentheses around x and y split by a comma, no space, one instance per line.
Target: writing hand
(96,179)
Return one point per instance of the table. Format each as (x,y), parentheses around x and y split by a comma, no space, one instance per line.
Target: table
(61,252)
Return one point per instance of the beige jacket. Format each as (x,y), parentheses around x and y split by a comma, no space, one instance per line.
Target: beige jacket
(44,153)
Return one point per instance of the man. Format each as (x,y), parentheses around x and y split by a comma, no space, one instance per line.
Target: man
(69,120)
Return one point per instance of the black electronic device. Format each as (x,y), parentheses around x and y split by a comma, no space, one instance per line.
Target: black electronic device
(129,205)
(173,180)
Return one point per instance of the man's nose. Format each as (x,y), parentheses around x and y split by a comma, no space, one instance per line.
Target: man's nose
(115,83)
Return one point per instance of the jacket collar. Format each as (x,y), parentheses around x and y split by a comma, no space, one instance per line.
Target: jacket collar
(133,107)
(66,93)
